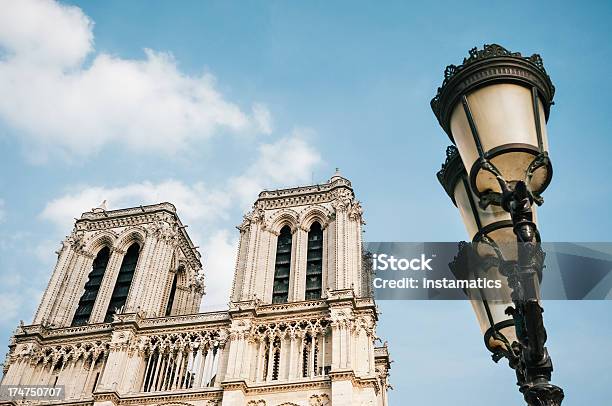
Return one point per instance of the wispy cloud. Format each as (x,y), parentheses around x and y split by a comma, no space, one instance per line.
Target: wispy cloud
(206,209)
(195,202)
(66,97)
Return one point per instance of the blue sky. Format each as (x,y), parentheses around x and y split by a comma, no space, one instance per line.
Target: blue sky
(231,97)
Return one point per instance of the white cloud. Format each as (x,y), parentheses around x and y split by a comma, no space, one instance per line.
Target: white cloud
(288,161)
(2,211)
(57,101)
(41,31)
(219,258)
(194,202)
(62,96)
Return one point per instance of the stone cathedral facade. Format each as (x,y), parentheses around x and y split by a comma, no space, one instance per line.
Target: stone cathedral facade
(119,324)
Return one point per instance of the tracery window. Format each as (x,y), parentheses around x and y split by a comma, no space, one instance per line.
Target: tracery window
(92,286)
(124,281)
(179,361)
(314,262)
(282,267)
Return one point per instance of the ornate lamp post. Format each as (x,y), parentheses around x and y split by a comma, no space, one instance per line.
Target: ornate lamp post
(494,107)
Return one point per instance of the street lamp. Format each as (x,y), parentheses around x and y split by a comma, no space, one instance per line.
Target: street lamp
(489,228)
(494,107)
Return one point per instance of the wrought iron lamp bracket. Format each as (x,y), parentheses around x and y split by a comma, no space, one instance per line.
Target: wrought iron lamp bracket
(490,197)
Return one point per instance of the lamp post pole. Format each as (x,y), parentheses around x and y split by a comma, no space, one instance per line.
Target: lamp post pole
(534,365)
(494,108)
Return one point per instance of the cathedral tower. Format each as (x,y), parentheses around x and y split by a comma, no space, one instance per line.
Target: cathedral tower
(119,323)
(130,260)
(302,314)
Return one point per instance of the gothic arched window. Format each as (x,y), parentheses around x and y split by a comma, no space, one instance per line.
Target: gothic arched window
(92,286)
(306,355)
(124,280)
(264,372)
(314,262)
(276,352)
(282,267)
(172,294)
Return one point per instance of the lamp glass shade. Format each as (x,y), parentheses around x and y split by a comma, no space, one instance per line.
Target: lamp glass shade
(472,214)
(504,239)
(489,307)
(506,127)
(497,309)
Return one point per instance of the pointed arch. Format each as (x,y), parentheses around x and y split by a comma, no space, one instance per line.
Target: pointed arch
(104,238)
(282,266)
(129,237)
(316,213)
(314,262)
(124,281)
(282,218)
(92,287)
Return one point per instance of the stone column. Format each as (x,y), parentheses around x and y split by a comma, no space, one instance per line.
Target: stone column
(91,367)
(223,355)
(292,357)
(322,362)
(246,358)
(336,356)
(311,357)
(284,357)
(260,360)
(197,383)
(147,373)
(270,358)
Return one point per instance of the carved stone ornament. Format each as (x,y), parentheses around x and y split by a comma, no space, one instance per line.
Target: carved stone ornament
(356,212)
(163,230)
(319,400)
(76,241)
(198,284)
(343,199)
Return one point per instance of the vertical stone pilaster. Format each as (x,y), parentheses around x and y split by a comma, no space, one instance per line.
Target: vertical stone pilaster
(142,278)
(298,291)
(330,244)
(60,273)
(342,391)
(114,377)
(270,265)
(223,362)
(160,274)
(69,301)
(251,261)
(239,274)
(259,285)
